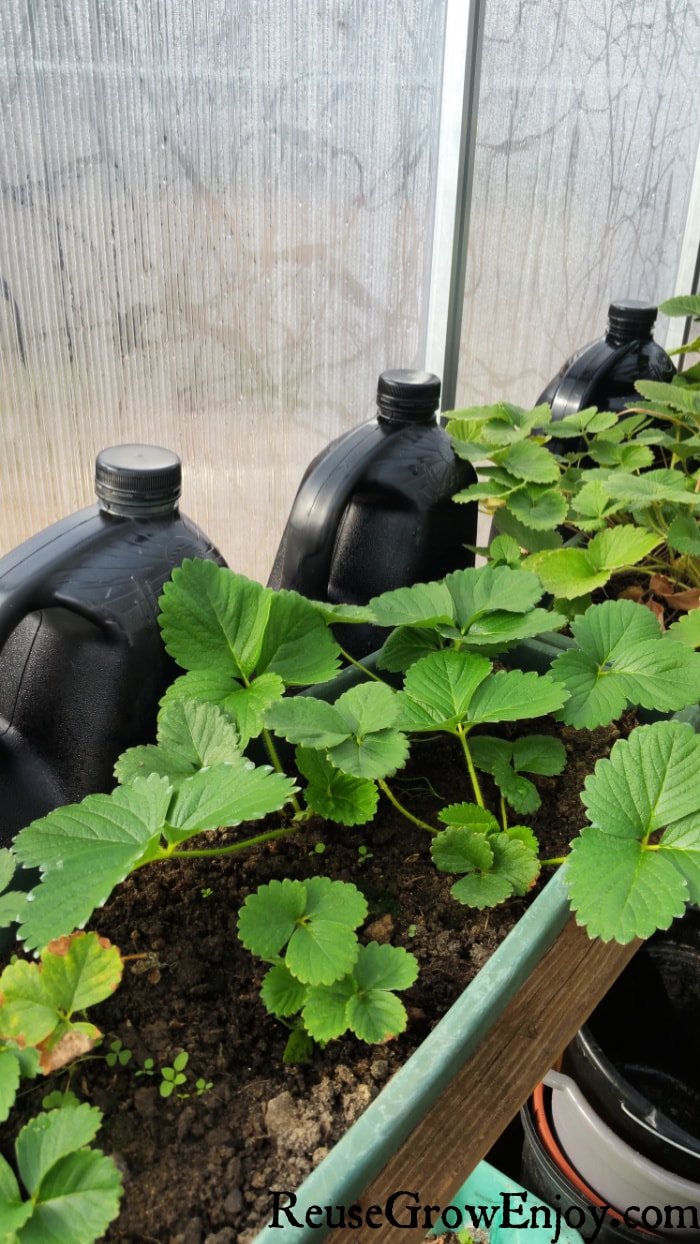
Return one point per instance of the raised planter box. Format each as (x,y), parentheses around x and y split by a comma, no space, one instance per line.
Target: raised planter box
(441,1113)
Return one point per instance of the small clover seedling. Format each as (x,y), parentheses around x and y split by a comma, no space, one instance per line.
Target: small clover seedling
(118,1055)
(174,1076)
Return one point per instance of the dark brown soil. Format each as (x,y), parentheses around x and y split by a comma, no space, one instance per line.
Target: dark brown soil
(200,1168)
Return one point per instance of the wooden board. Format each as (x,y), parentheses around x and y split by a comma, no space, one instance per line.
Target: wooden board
(469,1116)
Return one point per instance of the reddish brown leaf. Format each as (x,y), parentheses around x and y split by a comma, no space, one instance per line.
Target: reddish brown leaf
(658,610)
(685,600)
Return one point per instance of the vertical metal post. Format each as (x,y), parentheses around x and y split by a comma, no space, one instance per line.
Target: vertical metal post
(688,276)
(455,171)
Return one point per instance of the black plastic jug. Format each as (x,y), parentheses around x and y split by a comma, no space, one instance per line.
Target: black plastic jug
(604,373)
(82,664)
(374,510)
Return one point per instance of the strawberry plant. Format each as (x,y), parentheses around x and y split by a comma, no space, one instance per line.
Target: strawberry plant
(589,496)
(238,640)
(321,978)
(72,1190)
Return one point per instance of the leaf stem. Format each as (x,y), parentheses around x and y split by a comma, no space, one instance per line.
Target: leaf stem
(352,661)
(561,859)
(470,766)
(504,813)
(205,852)
(404,811)
(277,766)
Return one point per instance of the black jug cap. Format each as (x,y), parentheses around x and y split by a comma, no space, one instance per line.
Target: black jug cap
(629,320)
(138,479)
(408,396)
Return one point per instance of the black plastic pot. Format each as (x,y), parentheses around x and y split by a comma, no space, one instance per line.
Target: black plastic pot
(636,1060)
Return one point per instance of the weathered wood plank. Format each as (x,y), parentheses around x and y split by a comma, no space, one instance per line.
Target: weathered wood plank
(490,1088)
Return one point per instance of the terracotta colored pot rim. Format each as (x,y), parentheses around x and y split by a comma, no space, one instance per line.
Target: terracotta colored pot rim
(559,1158)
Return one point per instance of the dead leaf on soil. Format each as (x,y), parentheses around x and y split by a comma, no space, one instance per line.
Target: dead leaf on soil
(71,1046)
(686,600)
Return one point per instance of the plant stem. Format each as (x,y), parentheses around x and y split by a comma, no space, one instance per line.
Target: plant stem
(561,859)
(504,813)
(352,661)
(470,766)
(205,852)
(404,811)
(276,764)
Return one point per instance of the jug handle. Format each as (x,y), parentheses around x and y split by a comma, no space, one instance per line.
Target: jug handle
(28,573)
(587,370)
(306,550)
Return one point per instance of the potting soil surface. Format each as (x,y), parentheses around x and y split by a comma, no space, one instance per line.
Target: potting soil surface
(200,1166)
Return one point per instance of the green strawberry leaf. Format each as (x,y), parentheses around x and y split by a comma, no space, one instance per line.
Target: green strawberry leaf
(482,890)
(687,629)
(676,396)
(659,487)
(245,705)
(618,890)
(384,967)
(514,695)
(683,535)
(422,604)
(527,538)
(372,756)
(9,1083)
(376,1016)
(14,1212)
(682,304)
(649,781)
(622,883)
(226,795)
(438,690)
(367,708)
(297,645)
(75,1191)
(405,645)
(490,589)
(315,920)
(214,619)
(307,721)
(269,916)
(622,659)
(325,1010)
(497,866)
(281,992)
(191,735)
(470,816)
(335,795)
(84,850)
(569,573)
(515,860)
(461,850)
(528,461)
(518,791)
(538,506)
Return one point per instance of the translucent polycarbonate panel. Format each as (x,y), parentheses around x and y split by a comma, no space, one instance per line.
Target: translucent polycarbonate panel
(215,232)
(587,139)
